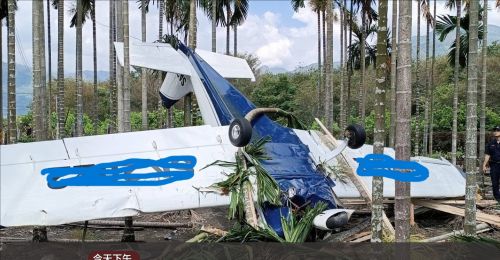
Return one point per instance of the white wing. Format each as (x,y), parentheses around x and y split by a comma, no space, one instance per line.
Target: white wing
(26,199)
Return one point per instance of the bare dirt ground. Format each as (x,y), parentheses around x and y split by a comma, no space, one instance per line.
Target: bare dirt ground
(427,224)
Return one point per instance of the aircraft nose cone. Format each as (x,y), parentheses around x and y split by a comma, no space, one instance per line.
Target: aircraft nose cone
(338,220)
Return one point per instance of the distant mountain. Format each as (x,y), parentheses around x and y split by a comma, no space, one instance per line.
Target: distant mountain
(273,70)
(443,47)
(88,75)
(24,79)
(24,88)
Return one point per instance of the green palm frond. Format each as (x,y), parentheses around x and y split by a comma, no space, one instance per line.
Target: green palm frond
(296,4)
(87,7)
(4,8)
(295,230)
(446,24)
(240,12)
(267,188)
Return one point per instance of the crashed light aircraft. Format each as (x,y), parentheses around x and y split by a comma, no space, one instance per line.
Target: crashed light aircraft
(117,175)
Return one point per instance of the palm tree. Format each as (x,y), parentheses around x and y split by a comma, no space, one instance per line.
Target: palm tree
(128,232)
(368,15)
(355,57)
(482,107)
(429,22)
(112,66)
(379,133)
(239,15)
(95,100)
(192,25)
(49,58)
(471,122)
(455,80)
(3,14)
(39,97)
(227,4)
(144,92)
(60,70)
(192,44)
(43,74)
(317,6)
(79,82)
(342,116)
(349,65)
(403,129)
(329,63)
(417,86)
(119,69)
(457,56)
(37,77)
(214,25)
(431,123)
(344,89)
(394,54)
(11,55)
(126,69)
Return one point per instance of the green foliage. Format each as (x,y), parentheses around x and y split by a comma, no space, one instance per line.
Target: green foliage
(248,164)
(295,230)
(494,49)
(275,91)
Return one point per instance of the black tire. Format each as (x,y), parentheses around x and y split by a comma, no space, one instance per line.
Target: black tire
(356,135)
(240,132)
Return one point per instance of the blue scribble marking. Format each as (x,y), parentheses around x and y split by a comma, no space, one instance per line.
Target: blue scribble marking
(120,173)
(384,166)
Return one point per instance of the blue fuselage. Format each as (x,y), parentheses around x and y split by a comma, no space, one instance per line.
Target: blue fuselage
(290,164)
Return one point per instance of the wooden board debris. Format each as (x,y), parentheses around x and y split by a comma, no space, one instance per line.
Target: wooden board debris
(480,228)
(481,216)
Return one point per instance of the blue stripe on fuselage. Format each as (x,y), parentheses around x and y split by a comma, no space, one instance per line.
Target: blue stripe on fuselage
(290,165)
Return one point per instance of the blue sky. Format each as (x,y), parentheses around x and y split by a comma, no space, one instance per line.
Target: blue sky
(280,37)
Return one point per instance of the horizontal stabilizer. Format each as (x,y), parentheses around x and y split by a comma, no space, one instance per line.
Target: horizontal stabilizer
(156,56)
(227,66)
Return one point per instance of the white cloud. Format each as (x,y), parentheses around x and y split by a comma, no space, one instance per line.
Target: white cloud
(277,40)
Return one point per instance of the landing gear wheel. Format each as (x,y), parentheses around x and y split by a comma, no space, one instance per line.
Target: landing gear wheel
(240,132)
(356,135)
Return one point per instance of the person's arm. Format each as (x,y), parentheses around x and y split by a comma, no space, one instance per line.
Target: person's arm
(486,159)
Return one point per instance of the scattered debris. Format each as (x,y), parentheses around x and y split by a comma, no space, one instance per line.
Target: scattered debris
(479,229)
(343,236)
(494,220)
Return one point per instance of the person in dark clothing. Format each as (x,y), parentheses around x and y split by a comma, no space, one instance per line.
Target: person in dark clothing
(492,156)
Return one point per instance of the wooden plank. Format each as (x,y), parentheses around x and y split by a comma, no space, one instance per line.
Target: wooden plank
(362,239)
(342,236)
(481,203)
(362,234)
(480,228)
(481,216)
(356,180)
